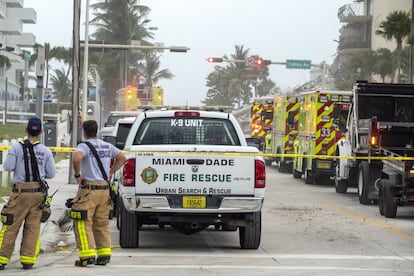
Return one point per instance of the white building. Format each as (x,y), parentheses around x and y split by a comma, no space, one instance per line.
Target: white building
(12,38)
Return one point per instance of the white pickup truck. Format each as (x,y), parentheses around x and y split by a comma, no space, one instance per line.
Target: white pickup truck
(190,169)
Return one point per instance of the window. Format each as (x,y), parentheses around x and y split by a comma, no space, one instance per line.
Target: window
(203,131)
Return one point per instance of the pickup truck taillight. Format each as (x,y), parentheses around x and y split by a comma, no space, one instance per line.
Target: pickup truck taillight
(260,174)
(129,173)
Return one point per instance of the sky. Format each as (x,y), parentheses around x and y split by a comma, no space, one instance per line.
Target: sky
(273,29)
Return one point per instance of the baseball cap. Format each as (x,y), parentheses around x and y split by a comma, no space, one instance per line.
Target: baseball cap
(34,124)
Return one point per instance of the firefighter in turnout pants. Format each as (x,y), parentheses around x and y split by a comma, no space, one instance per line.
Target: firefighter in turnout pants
(91,206)
(28,194)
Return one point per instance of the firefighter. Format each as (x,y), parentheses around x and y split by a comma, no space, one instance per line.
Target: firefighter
(24,204)
(268,141)
(91,206)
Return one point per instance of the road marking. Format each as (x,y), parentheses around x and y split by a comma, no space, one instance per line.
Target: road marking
(251,267)
(382,224)
(123,253)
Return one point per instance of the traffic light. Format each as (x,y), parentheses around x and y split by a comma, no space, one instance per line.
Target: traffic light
(261,62)
(215,59)
(129,92)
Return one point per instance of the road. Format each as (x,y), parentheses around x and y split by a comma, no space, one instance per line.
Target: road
(307,229)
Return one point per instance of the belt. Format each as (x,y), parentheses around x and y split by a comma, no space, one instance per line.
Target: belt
(94,187)
(33,190)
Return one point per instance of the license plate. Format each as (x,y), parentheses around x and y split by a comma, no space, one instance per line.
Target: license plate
(323,165)
(196,202)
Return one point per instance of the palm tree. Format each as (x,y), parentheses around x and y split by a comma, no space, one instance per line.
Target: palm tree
(397,25)
(62,85)
(384,65)
(118,22)
(5,62)
(64,55)
(232,85)
(50,53)
(150,69)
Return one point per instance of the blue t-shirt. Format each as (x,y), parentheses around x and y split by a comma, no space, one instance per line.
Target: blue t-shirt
(90,168)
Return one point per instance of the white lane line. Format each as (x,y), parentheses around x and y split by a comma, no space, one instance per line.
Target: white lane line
(252,267)
(265,256)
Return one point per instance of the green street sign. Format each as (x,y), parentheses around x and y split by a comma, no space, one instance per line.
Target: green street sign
(26,55)
(298,64)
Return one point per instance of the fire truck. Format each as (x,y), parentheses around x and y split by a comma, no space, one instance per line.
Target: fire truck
(318,134)
(126,99)
(379,146)
(262,118)
(130,98)
(283,132)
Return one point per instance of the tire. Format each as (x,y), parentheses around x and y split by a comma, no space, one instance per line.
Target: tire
(308,178)
(128,228)
(363,189)
(284,167)
(118,207)
(368,175)
(341,186)
(381,198)
(297,174)
(250,235)
(389,205)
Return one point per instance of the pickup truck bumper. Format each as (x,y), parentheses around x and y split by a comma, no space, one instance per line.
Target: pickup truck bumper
(135,203)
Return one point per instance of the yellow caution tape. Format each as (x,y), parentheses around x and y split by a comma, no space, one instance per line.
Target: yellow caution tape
(285,155)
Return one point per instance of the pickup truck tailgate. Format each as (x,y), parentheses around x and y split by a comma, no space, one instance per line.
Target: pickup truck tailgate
(192,173)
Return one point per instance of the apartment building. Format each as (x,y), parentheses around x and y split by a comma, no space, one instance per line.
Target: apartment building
(13,16)
(361,19)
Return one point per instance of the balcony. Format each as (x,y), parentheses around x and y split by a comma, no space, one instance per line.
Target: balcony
(14,3)
(11,26)
(26,15)
(353,13)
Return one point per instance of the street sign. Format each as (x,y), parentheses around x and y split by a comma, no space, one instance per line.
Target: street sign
(298,64)
(26,55)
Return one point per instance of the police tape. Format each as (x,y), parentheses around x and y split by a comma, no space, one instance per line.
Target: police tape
(265,155)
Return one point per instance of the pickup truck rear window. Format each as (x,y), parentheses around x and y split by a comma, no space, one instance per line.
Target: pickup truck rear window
(199,131)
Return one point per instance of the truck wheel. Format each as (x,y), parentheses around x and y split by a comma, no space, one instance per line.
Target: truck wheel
(389,205)
(128,228)
(118,207)
(296,174)
(284,167)
(363,183)
(341,186)
(308,177)
(250,235)
(381,197)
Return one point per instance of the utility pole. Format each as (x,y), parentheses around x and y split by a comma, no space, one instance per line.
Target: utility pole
(40,71)
(410,77)
(75,80)
(85,64)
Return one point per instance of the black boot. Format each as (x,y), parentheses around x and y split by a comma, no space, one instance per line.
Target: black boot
(103,260)
(27,266)
(85,262)
(2,266)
